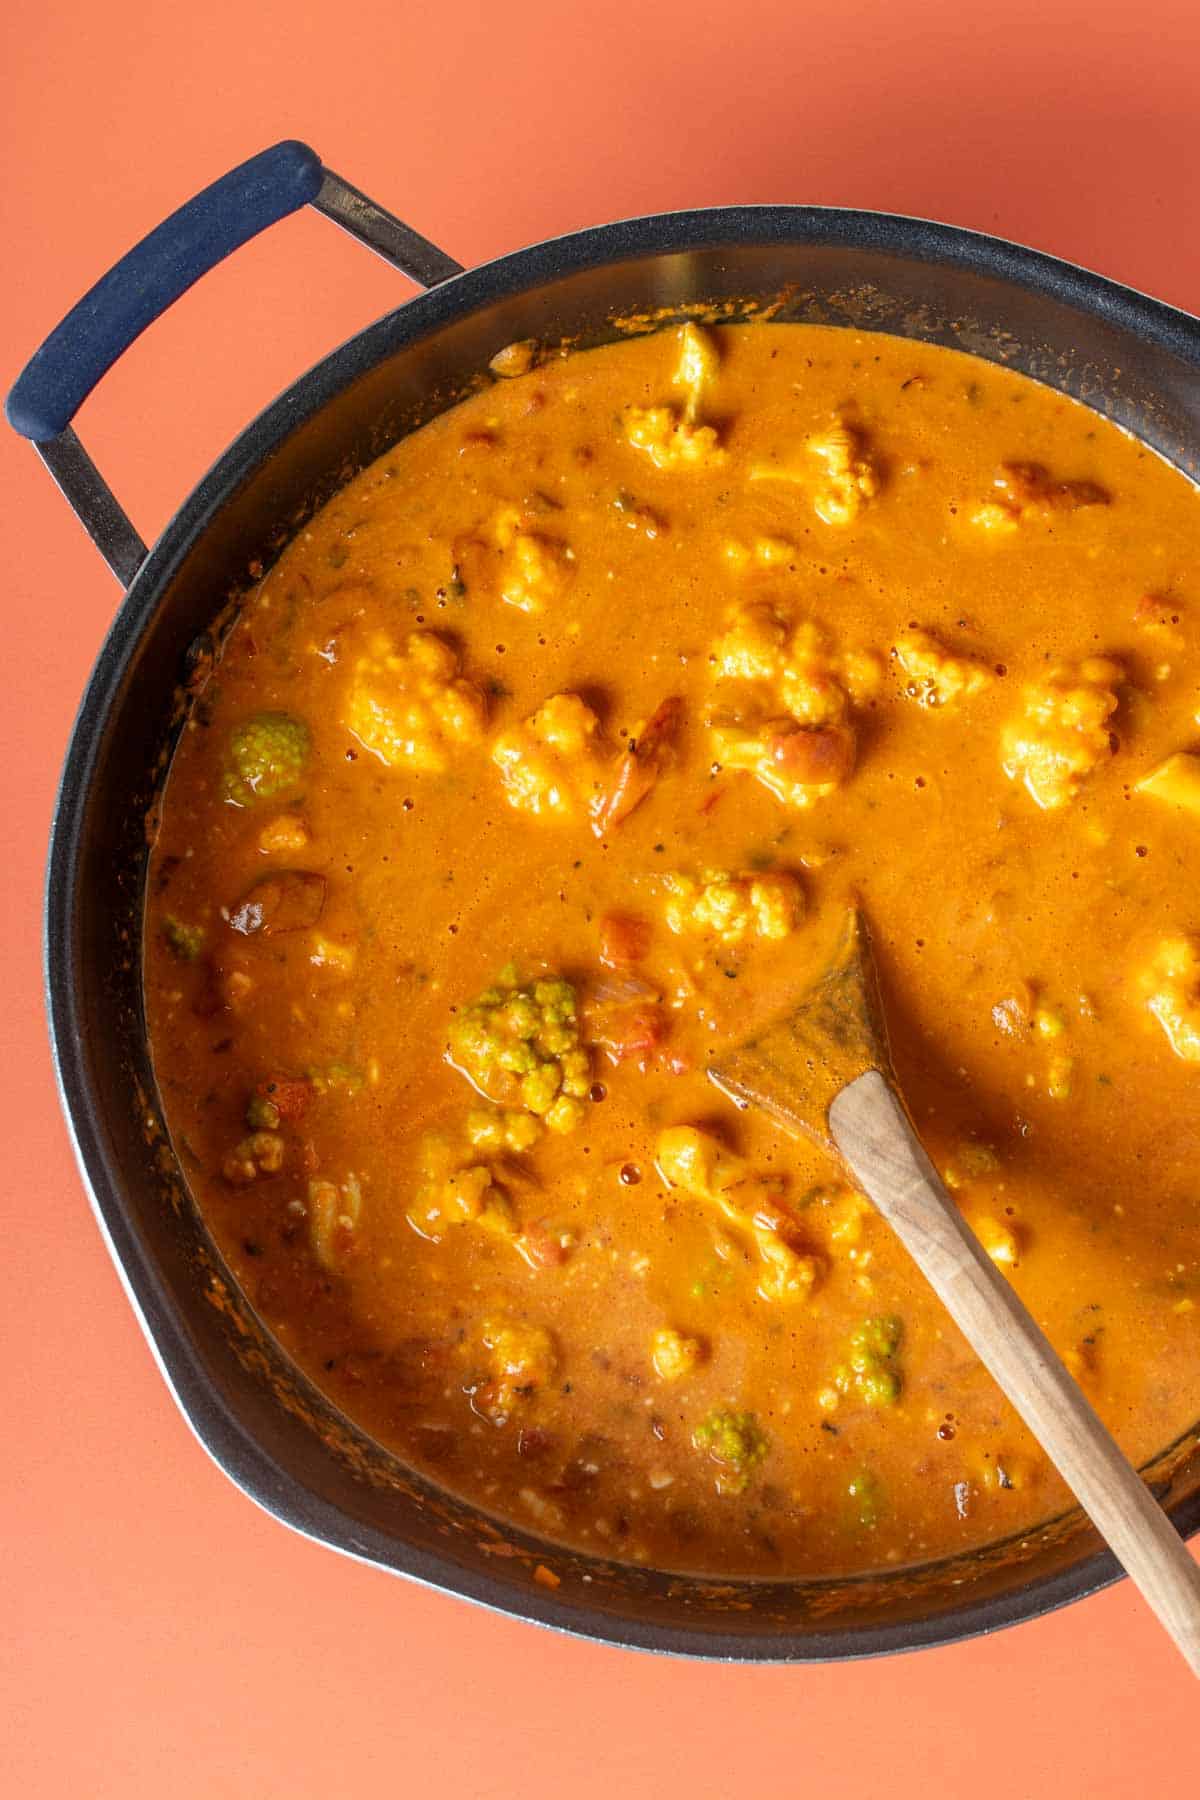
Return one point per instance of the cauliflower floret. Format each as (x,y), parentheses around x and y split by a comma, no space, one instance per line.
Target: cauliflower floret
(672,1354)
(935,677)
(283,836)
(410,706)
(696,1162)
(259,1154)
(995,518)
(520,1046)
(1175,781)
(851,476)
(494,1129)
(522,1359)
(454,1190)
(668,435)
(549,764)
(334,1210)
(697,367)
(267,756)
(534,570)
(798,764)
(736,1443)
(781,707)
(787,1275)
(515,359)
(815,684)
(760,553)
(1000,1240)
(670,441)
(752,646)
(1063,733)
(734,907)
(1171,985)
(1029,491)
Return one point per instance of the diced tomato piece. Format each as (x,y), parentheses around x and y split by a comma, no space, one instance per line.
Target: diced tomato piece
(624,940)
(631,1033)
(291,1097)
(1156,609)
(544,1248)
(813,756)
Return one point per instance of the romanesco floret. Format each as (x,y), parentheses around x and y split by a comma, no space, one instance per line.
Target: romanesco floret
(736,1443)
(519,1045)
(866,1498)
(184,941)
(267,756)
(870,1372)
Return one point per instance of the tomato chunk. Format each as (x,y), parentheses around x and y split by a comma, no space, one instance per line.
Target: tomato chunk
(624,940)
(813,756)
(290,1097)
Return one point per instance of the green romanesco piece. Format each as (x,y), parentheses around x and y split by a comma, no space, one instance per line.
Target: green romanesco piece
(267,756)
(184,941)
(871,1373)
(866,1498)
(736,1442)
(519,1045)
(262,1114)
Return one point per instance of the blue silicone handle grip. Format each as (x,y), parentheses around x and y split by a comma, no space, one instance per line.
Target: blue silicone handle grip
(58,378)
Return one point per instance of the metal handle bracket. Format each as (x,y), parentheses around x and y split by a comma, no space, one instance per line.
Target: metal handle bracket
(149,278)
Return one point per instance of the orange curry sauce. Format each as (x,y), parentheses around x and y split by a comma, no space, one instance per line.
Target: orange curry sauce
(527,779)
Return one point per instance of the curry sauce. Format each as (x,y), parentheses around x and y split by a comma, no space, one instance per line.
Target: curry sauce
(532,775)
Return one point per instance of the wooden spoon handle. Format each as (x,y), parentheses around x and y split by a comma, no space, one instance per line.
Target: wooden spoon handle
(872,1132)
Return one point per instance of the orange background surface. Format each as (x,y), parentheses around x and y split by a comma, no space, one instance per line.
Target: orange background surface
(161,1636)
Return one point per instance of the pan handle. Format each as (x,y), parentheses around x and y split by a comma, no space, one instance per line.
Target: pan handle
(59,376)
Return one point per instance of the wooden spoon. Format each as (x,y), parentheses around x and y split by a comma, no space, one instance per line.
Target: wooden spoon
(824,1072)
